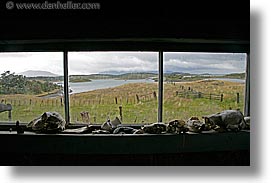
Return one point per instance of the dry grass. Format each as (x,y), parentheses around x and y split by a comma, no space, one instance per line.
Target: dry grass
(104,103)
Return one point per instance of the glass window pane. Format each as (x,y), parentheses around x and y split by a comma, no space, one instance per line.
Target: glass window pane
(102,82)
(29,84)
(197,84)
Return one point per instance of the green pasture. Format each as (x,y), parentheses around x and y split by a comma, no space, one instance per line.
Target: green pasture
(139,102)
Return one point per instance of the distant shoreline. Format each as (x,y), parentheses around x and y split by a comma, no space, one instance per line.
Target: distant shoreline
(81,85)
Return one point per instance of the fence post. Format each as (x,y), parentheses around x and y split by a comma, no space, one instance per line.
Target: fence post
(199,95)
(99,101)
(221,97)
(210,96)
(238,98)
(137,98)
(116,100)
(155,95)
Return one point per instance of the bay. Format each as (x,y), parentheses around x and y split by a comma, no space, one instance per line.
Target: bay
(102,84)
(228,79)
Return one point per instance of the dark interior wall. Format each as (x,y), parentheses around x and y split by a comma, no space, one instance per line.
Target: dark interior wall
(133,19)
(176,25)
(219,158)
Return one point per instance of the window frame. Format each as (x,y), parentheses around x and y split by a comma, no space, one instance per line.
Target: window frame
(160,86)
(159,45)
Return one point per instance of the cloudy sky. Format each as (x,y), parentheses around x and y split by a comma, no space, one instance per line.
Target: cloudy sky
(98,62)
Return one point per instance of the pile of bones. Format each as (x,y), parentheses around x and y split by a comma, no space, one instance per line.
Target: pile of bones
(228,120)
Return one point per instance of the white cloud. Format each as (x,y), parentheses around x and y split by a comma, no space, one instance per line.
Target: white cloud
(96,62)
(20,62)
(215,63)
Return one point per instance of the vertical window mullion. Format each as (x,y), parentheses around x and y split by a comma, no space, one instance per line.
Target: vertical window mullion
(66,87)
(247,87)
(160,91)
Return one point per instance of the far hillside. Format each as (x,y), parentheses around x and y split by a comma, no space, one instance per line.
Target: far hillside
(125,76)
(235,76)
(181,77)
(37,73)
(168,77)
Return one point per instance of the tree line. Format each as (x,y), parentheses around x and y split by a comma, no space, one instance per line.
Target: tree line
(11,83)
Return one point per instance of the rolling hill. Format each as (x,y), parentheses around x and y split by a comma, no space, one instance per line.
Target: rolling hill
(37,73)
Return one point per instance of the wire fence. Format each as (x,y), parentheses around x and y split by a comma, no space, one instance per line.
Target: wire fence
(25,105)
(211,96)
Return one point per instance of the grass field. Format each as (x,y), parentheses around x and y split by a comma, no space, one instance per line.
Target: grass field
(138,101)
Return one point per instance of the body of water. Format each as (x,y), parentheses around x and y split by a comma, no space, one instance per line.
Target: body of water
(228,79)
(102,83)
(109,83)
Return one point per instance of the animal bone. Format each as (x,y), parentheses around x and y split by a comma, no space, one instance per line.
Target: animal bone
(177,126)
(48,122)
(155,128)
(247,122)
(81,130)
(195,125)
(5,107)
(110,125)
(125,130)
(228,119)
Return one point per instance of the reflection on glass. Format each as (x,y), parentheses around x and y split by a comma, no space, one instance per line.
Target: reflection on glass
(106,85)
(29,85)
(198,84)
